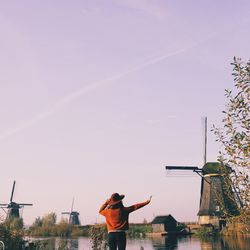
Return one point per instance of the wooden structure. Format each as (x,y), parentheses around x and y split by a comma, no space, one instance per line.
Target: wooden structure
(164,224)
(13,207)
(73,216)
(217,196)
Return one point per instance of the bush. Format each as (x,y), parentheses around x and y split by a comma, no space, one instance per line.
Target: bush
(139,230)
(12,237)
(206,231)
(98,237)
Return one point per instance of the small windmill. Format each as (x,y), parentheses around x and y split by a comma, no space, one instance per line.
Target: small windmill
(13,207)
(216,195)
(73,216)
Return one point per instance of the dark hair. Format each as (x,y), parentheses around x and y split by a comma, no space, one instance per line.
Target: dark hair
(118,205)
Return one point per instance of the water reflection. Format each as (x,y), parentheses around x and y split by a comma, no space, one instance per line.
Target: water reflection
(58,243)
(194,243)
(156,243)
(65,244)
(226,243)
(176,242)
(165,242)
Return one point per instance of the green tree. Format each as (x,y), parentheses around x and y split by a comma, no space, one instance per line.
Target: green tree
(234,137)
(38,222)
(49,220)
(14,224)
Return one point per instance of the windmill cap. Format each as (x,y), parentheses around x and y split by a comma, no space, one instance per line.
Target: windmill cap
(215,168)
(115,198)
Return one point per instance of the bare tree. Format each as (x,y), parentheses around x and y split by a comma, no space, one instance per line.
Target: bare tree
(234,137)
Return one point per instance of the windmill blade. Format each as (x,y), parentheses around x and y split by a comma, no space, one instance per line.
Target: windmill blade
(72,205)
(65,212)
(4,204)
(182,171)
(3,209)
(182,168)
(205,140)
(25,204)
(12,193)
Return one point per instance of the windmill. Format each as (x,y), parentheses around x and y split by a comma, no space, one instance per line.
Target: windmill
(13,207)
(73,216)
(216,195)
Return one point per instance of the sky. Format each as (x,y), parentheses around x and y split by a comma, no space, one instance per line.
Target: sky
(97,97)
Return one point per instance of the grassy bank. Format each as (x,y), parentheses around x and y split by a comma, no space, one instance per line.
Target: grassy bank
(11,234)
(58,230)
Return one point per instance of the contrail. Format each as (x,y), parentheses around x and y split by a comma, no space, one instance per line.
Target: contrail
(87,89)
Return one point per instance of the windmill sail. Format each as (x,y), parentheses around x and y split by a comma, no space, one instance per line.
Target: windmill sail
(13,207)
(73,216)
(12,192)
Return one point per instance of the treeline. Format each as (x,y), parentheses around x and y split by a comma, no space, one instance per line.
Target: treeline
(47,226)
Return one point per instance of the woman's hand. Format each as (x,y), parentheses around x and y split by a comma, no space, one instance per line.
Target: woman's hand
(107,201)
(150,198)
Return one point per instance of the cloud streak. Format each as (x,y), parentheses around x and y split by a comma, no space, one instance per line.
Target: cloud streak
(149,7)
(88,89)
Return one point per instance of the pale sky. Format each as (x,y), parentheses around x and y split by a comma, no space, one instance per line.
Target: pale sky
(97,96)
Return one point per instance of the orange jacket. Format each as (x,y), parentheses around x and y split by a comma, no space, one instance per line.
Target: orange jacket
(117,219)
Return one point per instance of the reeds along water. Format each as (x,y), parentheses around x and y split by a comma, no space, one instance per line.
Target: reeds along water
(236,242)
(226,243)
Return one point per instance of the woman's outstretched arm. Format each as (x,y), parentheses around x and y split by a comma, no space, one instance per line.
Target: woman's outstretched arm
(139,205)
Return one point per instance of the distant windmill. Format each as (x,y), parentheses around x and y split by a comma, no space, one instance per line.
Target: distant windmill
(216,194)
(73,216)
(13,207)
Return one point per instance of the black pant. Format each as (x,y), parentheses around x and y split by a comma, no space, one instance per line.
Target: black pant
(117,239)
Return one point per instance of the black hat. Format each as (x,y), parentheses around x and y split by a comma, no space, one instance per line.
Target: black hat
(115,198)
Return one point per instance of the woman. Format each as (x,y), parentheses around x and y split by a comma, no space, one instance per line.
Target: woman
(117,219)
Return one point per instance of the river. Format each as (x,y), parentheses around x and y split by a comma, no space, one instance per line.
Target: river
(161,243)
